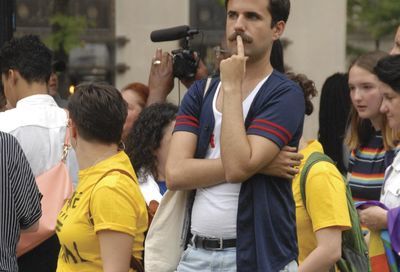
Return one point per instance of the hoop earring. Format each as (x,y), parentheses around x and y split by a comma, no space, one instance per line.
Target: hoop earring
(121,146)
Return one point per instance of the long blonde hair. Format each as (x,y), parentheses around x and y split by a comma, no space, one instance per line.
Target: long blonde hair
(360,130)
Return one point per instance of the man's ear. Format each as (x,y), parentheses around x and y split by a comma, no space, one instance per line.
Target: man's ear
(278,29)
(12,76)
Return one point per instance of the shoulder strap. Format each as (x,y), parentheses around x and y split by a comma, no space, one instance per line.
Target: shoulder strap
(134,263)
(103,176)
(354,248)
(66,146)
(312,159)
(207,86)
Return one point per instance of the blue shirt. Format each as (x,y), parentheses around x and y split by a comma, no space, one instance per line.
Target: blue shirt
(266,232)
(162,186)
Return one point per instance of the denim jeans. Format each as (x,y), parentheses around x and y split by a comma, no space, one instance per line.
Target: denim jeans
(198,259)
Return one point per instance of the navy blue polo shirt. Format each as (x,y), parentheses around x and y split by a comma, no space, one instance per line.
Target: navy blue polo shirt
(266,227)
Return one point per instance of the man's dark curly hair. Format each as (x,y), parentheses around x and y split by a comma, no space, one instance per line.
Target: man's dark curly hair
(146,135)
(29,56)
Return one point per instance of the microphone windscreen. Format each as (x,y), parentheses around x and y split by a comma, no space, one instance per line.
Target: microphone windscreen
(169,34)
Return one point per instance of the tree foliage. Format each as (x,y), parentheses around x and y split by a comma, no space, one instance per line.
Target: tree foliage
(68,31)
(221,2)
(377,18)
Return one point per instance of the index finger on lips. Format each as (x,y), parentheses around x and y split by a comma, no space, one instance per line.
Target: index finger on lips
(240,47)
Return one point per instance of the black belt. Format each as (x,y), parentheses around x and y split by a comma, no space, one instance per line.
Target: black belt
(212,243)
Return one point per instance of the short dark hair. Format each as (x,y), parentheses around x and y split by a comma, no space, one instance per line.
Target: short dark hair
(29,56)
(279,10)
(388,71)
(146,135)
(3,99)
(99,112)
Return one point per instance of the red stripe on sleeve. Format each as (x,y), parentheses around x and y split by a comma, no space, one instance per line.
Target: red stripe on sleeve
(284,130)
(187,117)
(187,123)
(285,141)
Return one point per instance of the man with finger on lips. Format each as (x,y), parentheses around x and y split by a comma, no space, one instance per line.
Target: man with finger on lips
(242,218)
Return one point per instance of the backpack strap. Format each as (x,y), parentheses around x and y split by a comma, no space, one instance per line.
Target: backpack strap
(354,248)
(314,158)
(103,176)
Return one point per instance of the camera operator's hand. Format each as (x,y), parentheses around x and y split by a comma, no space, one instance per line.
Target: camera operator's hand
(161,79)
(201,72)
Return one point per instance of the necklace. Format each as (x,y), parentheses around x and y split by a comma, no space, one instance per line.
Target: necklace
(103,156)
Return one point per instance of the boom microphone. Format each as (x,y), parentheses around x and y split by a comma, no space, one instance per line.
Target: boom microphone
(172,34)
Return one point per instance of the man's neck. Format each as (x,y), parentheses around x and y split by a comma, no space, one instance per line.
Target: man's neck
(29,89)
(258,68)
(255,72)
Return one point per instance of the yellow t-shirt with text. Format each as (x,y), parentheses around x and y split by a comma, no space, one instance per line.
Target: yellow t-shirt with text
(116,204)
(325,200)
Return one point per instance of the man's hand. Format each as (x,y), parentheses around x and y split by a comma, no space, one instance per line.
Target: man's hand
(285,164)
(161,79)
(242,155)
(233,69)
(373,217)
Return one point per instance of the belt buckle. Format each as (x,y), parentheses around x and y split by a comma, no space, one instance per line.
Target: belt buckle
(221,244)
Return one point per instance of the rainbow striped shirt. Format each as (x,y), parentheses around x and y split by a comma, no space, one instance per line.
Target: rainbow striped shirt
(367,169)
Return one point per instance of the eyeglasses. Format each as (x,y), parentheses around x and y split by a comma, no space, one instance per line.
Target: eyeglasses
(219,52)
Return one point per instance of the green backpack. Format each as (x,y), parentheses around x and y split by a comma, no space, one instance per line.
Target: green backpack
(354,249)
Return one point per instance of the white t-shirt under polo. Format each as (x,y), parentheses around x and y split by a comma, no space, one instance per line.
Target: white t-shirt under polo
(215,208)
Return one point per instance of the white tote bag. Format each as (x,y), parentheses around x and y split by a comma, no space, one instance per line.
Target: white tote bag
(165,240)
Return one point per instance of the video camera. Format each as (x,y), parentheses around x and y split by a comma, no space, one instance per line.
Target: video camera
(185,60)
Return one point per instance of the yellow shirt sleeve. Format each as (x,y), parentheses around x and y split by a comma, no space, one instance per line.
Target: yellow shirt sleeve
(326,197)
(113,204)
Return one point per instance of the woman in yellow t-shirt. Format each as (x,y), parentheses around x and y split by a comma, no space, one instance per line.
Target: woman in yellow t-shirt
(320,226)
(101,228)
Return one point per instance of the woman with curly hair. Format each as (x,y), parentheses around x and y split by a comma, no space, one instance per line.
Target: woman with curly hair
(147,147)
